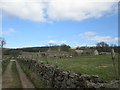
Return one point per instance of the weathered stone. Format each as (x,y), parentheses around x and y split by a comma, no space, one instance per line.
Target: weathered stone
(71,76)
(95,76)
(72,80)
(91,85)
(72,86)
(63,85)
(68,82)
(59,78)
(87,77)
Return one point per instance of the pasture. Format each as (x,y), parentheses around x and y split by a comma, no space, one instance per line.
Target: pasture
(93,65)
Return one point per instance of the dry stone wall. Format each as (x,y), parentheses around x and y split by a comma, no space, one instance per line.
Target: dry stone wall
(58,78)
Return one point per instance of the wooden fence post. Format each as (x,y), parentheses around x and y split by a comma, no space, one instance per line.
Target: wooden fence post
(114,63)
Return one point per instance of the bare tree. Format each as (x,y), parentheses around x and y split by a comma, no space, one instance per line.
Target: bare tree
(102,47)
(2,42)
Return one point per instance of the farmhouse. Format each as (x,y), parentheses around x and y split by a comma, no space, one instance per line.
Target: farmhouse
(56,54)
(87,52)
(30,55)
(105,53)
(48,54)
(79,52)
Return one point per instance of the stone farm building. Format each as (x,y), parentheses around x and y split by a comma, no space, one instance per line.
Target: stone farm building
(105,53)
(87,52)
(48,54)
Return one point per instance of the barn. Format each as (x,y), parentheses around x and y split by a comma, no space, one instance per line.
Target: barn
(87,52)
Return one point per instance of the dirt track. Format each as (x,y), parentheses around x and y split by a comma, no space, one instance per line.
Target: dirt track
(25,81)
(8,80)
(0,74)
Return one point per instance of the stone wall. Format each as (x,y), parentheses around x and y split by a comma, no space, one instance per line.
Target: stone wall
(59,78)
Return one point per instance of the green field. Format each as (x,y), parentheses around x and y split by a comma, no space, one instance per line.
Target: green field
(93,65)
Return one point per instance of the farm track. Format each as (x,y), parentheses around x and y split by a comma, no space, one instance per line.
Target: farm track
(26,83)
(0,74)
(8,80)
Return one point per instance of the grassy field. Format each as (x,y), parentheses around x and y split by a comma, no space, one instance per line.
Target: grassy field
(93,65)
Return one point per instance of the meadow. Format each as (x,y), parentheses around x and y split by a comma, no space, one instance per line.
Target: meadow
(100,65)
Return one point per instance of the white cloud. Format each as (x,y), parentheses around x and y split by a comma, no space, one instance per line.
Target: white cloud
(45,10)
(56,42)
(86,44)
(78,9)
(87,33)
(25,10)
(103,38)
(8,32)
(93,37)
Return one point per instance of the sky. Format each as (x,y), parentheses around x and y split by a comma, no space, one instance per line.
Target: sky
(34,23)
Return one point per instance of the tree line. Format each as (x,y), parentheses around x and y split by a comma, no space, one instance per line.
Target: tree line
(7,51)
(102,47)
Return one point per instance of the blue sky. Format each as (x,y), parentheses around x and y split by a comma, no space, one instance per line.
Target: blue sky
(58,26)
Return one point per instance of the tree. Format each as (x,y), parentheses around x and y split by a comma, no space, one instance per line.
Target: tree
(2,42)
(77,48)
(64,48)
(102,47)
(14,52)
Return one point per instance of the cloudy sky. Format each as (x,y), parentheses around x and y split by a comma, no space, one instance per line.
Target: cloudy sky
(73,22)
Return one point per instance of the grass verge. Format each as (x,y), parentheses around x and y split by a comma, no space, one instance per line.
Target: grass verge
(35,79)
(4,65)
